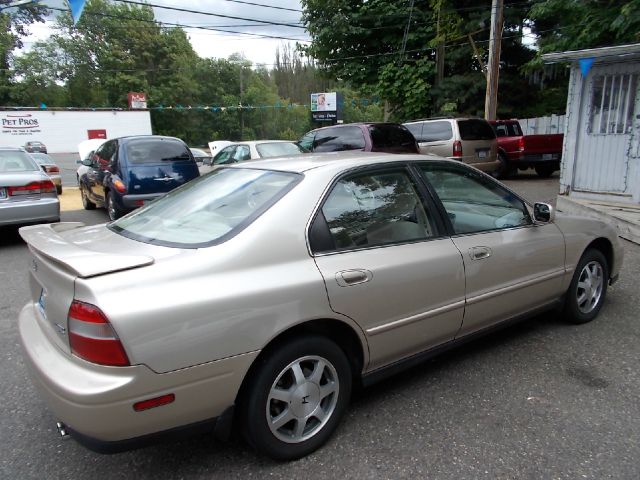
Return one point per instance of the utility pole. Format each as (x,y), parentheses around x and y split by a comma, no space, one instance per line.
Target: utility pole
(495,41)
(241,106)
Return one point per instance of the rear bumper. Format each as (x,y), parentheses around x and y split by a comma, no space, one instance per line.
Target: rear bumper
(96,402)
(535,159)
(131,202)
(489,166)
(29,211)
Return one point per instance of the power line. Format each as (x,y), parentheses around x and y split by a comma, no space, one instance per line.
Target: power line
(263,5)
(199,12)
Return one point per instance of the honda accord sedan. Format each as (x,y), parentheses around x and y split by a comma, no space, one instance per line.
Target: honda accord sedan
(254,298)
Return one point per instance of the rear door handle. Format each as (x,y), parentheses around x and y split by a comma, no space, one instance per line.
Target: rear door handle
(347,278)
(478,253)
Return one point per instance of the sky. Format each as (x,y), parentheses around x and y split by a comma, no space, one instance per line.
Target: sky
(208,43)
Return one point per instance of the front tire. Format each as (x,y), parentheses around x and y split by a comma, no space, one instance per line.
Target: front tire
(296,397)
(505,170)
(588,288)
(86,203)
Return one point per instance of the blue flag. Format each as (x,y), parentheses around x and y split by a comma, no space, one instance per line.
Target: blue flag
(585,65)
(76,7)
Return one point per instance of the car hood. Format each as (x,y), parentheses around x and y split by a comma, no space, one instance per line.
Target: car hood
(90,251)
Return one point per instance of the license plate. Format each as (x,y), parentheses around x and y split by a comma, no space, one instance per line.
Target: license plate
(549,156)
(482,154)
(41,302)
(3,193)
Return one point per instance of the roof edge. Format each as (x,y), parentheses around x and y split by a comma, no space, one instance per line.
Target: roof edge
(631,49)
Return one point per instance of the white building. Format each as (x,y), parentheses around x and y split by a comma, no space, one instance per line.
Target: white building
(63,130)
(601,155)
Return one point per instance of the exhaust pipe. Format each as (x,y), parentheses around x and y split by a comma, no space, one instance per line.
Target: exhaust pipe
(62,430)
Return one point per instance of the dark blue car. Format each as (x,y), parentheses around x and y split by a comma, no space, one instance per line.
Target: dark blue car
(125,173)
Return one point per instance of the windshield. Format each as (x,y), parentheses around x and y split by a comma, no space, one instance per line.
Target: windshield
(208,210)
(277,149)
(16,161)
(153,150)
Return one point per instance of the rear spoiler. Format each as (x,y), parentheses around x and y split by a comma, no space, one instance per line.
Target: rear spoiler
(47,241)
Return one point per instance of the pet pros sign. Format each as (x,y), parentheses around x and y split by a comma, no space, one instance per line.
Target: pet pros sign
(16,123)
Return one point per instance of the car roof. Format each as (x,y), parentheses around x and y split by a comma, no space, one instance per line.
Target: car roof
(337,161)
(356,124)
(258,142)
(136,137)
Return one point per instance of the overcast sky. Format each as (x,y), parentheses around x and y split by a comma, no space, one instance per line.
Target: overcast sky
(208,43)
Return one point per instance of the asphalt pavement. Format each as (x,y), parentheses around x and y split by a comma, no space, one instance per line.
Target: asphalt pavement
(541,399)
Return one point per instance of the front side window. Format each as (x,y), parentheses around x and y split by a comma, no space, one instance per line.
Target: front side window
(207,210)
(225,156)
(370,209)
(474,202)
(242,153)
(612,101)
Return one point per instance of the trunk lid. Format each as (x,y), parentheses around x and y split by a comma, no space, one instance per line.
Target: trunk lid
(57,261)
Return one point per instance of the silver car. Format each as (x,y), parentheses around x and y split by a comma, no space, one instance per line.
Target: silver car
(50,167)
(27,194)
(251,150)
(256,296)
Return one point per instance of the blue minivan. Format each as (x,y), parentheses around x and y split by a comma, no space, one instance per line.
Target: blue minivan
(127,172)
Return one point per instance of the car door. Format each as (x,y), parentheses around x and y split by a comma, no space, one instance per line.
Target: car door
(512,265)
(387,263)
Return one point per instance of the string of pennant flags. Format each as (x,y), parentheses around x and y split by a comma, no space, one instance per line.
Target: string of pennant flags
(355,102)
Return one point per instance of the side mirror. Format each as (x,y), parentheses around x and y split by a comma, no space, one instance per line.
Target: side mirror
(79,162)
(87,162)
(543,212)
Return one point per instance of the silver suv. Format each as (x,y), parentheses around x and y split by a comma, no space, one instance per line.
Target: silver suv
(470,140)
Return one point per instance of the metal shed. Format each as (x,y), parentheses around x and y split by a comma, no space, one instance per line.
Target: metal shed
(601,152)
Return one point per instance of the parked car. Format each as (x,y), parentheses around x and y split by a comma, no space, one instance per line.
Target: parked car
(215,147)
(27,194)
(263,291)
(126,173)
(367,137)
(520,152)
(469,140)
(86,149)
(199,155)
(242,151)
(49,167)
(33,146)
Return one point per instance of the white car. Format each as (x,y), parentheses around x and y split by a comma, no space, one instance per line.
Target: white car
(85,150)
(242,151)
(215,147)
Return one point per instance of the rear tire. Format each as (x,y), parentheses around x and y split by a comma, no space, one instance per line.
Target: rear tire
(296,397)
(505,170)
(86,203)
(59,190)
(113,210)
(545,171)
(588,288)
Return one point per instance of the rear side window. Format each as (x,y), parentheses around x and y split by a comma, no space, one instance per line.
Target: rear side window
(153,150)
(431,131)
(475,129)
(396,137)
(507,130)
(16,161)
(337,139)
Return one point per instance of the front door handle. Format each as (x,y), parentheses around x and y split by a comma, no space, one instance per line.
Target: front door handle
(347,278)
(478,253)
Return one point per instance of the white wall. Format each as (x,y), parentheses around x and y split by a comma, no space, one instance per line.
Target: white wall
(61,131)
(543,125)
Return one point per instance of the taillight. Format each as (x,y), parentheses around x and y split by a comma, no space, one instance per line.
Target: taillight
(119,186)
(92,337)
(457,148)
(521,144)
(52,169)
(44,186)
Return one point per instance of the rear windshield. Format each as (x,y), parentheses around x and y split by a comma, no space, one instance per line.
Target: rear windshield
(207,210)
(338,139)
(475,129)
(507,129)
(430,131)
(396,137)
(16,161)
(42,158)
(152,150)
(277,149)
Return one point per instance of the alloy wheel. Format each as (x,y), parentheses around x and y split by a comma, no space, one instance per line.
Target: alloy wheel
(302,399)
(590,286)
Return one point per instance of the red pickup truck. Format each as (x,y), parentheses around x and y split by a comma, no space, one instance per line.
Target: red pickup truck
(520,152)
